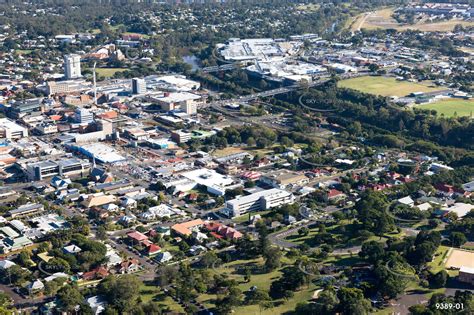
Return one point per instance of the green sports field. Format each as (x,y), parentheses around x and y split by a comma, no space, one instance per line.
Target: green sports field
(386,86)
(108,72)
(450,106)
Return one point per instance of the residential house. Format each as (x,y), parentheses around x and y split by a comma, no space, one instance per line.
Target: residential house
(96,273)
(163,257)
(129,266)
(219,230)
(187,228)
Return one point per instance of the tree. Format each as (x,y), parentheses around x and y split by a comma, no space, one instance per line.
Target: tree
(15,275)
(372,251)
(272,258)
(303,231)
(257,296)
(389,283)
(251,142)
(434,223)
(209,259)
(101,233)
(439,279)
(24,259)
(457,239)
(373,67)
(5,304)
(352,302)
(372,213)
(249,184)
(122,292)
(52,287)
(248,275)
(69,297)
(327,302)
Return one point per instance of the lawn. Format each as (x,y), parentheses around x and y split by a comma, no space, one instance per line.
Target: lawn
(153,293)
(287,306)
(108,72)
(382,19)
(343,229)
(437,264)
(386,86)
(448,107)
(235,150)
(260,280)
(23,51)
(244,218)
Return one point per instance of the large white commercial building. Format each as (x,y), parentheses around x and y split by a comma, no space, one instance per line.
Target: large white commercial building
(237,49)
(180,100)
(174,82)
(258,201)
(102,153)
(215,183)
(65,167)
(11,130)
(72,66)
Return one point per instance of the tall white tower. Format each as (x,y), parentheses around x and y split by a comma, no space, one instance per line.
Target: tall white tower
(72,66)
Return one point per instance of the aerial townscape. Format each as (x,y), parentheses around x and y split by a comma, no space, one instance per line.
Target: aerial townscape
(297,157)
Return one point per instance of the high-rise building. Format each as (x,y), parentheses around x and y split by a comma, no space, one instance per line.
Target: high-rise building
(72,66)
(138,86)
(83,116)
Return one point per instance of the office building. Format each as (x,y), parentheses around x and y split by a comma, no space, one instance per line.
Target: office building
(258,201)
(179,100)
(190,108)
(66,167)
(180,136)
(72,66)
(21,108)
(284,178)
(26,210)
(67,87)
(83,116)
(138,86)
(11,130)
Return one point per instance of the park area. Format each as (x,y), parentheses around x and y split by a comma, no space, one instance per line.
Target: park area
(387,86)
(235,270)
(451,107)
(108,72)
(382,19)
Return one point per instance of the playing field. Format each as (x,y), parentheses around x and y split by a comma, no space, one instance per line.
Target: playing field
(108,72)
(382,19)
(459,258)
(386,86)
(449,107)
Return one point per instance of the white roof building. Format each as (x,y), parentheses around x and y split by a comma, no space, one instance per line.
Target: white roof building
(406,201)
(216,183)
(11,130)
(164,257)
(72,249)
(258,201)
(55,276)
(460,208)
(5,264)
(36,285)
(160,211)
